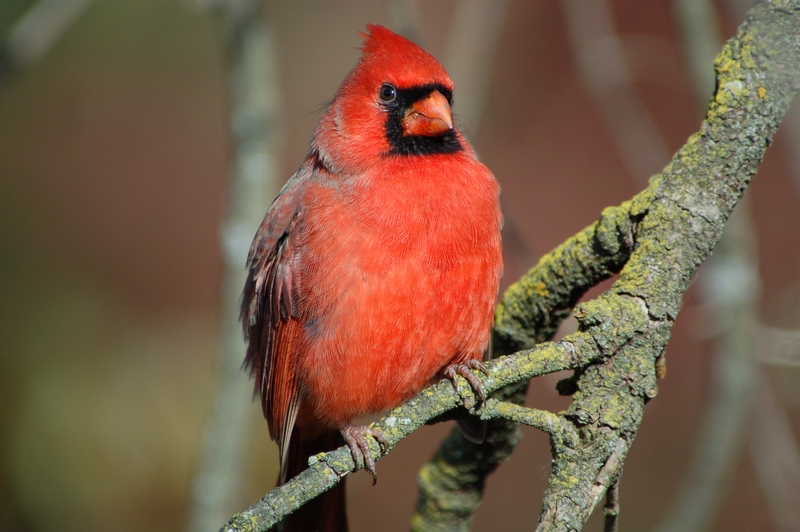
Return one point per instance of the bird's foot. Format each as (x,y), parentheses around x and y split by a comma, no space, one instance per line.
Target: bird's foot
(356,438)
(466,370)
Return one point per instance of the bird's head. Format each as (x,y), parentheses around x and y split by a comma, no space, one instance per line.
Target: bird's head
(394,103)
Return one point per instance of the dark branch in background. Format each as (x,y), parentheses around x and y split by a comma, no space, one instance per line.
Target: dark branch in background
(657,241)
(608,78)
(475,31)
(780,347)
(253,97)
(699,27)
(35,33)
(776,460)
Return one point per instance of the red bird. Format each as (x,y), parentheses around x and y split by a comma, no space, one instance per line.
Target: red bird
(375,270)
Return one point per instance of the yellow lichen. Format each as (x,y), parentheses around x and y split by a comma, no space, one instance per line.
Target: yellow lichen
(541,289)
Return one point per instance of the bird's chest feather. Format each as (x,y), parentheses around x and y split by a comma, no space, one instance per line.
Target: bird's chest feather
(398,227)
(395,273)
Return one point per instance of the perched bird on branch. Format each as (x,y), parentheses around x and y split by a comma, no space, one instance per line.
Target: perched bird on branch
(375,270)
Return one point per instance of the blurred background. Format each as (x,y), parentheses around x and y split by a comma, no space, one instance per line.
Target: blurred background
(129,134)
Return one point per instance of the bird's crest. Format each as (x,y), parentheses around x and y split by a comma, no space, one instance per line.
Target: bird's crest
(399,58)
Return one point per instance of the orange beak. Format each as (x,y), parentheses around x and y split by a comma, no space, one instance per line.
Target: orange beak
(428,117)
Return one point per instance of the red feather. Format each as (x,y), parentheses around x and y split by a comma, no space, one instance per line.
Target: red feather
(378,264)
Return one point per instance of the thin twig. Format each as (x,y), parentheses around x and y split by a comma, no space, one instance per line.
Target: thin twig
(611,509)
(543,420)
(779,347)
(776,457)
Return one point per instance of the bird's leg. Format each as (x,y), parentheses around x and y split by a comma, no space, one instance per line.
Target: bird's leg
(356,438)
(473,428)
(466,370)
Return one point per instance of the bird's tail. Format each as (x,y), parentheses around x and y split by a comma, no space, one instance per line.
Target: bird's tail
(326,513)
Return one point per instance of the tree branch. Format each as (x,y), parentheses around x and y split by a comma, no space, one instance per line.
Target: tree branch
(729,290)
(656,241)
(516,330)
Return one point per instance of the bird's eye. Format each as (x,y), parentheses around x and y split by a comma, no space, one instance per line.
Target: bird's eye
(387,93)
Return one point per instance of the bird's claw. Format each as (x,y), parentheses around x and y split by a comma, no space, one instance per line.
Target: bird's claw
(356,439)
(466,370)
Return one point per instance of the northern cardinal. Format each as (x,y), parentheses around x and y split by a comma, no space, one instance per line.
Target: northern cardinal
(375,270)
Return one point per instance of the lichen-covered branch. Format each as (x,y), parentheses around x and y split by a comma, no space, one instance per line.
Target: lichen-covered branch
(729,291)
(327,469)
(685,207)
(656,242)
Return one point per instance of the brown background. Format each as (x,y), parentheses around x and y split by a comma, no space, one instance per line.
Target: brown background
(113,164)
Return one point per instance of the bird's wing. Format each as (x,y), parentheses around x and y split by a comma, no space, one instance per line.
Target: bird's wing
(269,311)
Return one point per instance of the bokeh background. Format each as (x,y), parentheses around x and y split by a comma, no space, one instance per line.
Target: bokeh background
(115,172)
